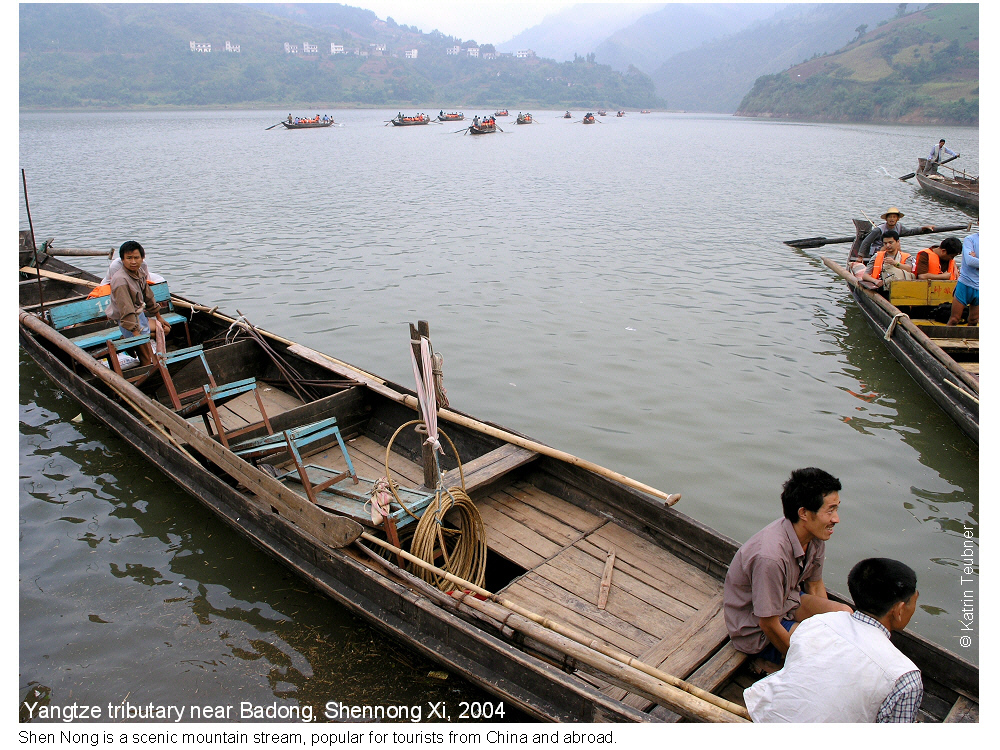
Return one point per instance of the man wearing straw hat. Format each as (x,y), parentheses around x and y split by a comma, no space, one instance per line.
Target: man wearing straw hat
(872,243)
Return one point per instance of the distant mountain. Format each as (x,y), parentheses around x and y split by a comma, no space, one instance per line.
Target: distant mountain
(578,30)
(127,55)
(922,67)
(717,75)
(677,27)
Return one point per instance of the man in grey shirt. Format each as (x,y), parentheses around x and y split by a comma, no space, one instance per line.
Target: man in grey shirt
(775,580)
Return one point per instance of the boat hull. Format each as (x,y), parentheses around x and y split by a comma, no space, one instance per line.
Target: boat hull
(943,385)
(306,125)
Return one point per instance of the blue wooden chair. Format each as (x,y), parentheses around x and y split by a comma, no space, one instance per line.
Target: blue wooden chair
(215,396)
(295,441)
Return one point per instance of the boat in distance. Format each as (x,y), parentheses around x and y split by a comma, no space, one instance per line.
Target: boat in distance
(450,116)
(960,188)
(942,359)
(300,124)
(595,599)
(402,120)
(589,119)
(524,119)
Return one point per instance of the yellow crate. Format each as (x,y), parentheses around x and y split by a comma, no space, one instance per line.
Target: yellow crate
(926,292)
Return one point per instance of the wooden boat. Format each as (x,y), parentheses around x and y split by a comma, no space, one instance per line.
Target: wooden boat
(400,120)
(960,188)
(483,127)
(943,359)
(602,113)
(567,116)
(307,124)
(524,119)
(620,114)
(589,119)
(501,113)
(604,558)
(451,117)
(644,112)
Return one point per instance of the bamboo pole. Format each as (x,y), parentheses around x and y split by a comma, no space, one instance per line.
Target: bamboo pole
(57,276)
(379,385)
(591,644)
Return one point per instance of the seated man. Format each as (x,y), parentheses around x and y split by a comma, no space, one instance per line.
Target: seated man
(887,264)
(938,261)
(775,580)
(842,667)
(967,288)
(131,297)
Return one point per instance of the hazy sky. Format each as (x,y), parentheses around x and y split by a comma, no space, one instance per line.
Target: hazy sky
(486,22)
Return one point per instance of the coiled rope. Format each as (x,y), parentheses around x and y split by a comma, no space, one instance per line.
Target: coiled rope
(462,550)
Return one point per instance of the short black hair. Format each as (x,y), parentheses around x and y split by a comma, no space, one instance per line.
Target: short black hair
(952,245)
(129,246)
(806,488)
(941,141)
(877,584)
(890,233)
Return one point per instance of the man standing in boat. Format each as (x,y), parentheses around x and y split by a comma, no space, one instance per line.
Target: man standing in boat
(843,667)
(775,580)
(938,153)
(967,288)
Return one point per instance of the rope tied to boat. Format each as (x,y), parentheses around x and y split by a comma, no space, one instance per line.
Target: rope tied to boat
(892,324)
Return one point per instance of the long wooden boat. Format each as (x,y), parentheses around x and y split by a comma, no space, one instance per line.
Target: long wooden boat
(483,127)
(589,119)
(501,113)
(402,120)
(306,124)
(960,188)
(944,360)
(451,116)
(572,551)
(524,119)
(567,116)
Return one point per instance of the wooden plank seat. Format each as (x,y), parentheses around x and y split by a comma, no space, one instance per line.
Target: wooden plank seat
(125,345)
(165,359)
(86,312)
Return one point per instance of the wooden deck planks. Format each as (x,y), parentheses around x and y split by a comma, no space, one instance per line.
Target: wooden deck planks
(567,513)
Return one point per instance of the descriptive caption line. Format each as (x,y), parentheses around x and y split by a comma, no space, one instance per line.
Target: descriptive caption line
(317,739)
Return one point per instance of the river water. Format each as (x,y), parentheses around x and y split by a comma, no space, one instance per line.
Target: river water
(619,291)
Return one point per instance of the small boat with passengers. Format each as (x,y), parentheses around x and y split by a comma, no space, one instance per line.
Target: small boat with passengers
(299,123)
(910,318)
(960,187)
(501,113)
(482,126)
(402,120)
(524,119)
(566,589)
(589,119)
(450,116)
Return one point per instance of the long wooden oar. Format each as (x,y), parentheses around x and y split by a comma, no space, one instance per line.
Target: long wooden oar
(913,174)
(273,126)
(718,709)
(811,242)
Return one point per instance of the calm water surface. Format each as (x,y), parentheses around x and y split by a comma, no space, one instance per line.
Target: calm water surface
(620,291)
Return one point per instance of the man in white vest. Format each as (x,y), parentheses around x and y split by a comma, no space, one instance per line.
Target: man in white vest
(842,667)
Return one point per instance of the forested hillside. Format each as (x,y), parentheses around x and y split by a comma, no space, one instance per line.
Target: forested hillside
(921,67)
(139,55)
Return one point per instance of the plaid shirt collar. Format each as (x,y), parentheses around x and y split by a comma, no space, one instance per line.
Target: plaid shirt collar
(869,620)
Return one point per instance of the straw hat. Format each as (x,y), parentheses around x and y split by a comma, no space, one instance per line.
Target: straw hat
(893,210)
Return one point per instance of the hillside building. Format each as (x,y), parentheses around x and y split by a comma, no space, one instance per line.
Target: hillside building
(309,49)
(472,51)
(336,49)
(410,54)
(524,53)
(450,50)
(291,49)
(232,47)
(201,47)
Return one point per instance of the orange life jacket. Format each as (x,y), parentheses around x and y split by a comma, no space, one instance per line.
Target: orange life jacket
(880,257)
(934,263)
(105,289)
